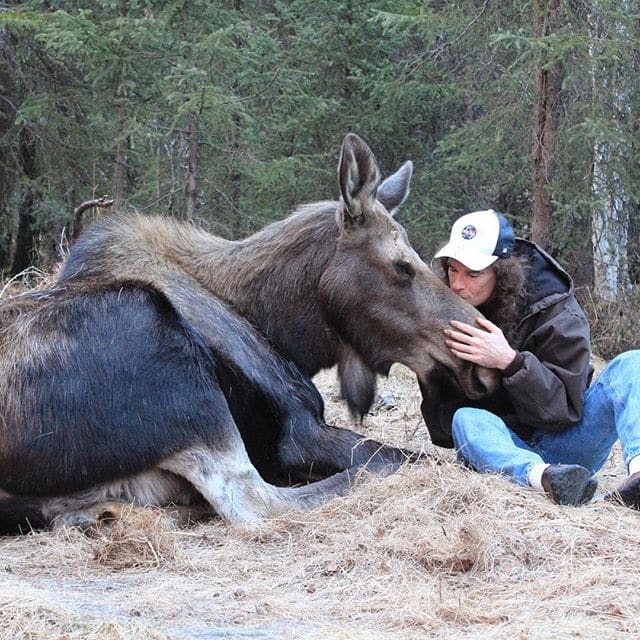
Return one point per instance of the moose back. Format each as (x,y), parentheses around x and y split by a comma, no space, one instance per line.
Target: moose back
(167,365)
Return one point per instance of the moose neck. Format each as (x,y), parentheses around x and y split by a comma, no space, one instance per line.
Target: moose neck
(272,279)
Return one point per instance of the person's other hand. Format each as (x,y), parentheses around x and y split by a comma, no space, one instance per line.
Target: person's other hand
(484,345)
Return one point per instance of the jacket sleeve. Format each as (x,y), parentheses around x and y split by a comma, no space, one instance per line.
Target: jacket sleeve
(547,380)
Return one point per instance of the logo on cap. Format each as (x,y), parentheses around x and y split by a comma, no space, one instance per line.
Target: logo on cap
(469,232)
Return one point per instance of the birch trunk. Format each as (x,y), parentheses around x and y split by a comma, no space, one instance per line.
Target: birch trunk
(610,217)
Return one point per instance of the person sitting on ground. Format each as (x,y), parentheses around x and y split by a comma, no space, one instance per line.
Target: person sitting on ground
(548,426)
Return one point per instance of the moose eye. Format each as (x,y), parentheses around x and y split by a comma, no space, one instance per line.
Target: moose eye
(404,270)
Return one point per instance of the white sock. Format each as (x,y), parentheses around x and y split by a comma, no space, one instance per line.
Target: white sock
(535,475)
(634,465)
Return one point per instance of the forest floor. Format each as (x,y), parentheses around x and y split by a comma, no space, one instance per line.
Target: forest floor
(435,551)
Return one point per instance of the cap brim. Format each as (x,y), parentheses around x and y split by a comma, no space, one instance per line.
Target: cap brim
(470,259)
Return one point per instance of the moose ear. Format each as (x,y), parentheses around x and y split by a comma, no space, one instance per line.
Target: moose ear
(359,177)
(394,190)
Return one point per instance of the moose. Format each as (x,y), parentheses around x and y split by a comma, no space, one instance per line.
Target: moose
(165,365)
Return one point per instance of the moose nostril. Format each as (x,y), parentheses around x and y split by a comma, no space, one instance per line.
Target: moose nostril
(488,380)
(482,382)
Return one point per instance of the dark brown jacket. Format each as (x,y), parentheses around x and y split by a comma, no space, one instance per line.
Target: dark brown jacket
(543,388)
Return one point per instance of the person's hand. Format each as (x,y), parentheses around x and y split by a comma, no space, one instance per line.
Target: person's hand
(485,346)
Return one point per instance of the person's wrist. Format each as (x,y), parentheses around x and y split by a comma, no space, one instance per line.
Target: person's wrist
(514,364)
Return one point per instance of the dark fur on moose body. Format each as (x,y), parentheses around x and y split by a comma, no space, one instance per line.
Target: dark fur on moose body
(168,365)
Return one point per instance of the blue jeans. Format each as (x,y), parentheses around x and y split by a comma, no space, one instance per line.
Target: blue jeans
(611,412)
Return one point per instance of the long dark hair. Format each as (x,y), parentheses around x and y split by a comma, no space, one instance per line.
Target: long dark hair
(504,306)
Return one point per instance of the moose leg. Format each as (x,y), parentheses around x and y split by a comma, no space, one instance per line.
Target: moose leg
(228,480)
(316,450)
(154,488)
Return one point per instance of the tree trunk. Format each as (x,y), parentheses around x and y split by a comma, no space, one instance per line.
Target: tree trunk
(25,241)
(545,127)
(610,218)
(192,166)
(609,224)
(8,110)
(120,169)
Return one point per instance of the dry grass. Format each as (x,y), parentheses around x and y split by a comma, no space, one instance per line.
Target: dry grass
(435,551)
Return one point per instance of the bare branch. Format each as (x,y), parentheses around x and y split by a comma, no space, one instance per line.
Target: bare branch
(102,203)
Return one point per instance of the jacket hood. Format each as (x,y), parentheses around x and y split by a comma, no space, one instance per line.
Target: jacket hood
(547,281)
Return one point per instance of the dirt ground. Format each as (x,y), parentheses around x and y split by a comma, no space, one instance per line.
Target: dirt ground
(434,551)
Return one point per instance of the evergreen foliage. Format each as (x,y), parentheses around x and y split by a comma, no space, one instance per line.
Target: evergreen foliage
(252,99)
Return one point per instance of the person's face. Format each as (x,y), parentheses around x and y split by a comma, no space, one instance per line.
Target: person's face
(476,287)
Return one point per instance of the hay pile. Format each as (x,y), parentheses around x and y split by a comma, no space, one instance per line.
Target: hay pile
(435,551)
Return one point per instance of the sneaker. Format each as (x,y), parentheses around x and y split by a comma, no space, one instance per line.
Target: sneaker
(569,484)
(628,493)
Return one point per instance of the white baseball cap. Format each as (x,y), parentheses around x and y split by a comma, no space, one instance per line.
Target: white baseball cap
(478,239)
